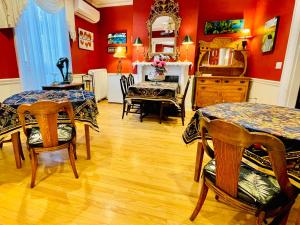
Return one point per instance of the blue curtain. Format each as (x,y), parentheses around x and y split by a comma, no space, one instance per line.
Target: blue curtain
(42,38)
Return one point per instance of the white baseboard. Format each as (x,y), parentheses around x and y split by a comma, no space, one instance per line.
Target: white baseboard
(264,91)
(10,87)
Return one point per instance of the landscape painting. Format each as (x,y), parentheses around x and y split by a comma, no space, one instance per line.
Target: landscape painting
(224,26)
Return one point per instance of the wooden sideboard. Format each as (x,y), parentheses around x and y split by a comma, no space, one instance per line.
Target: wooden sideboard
(217,89)
(220,79)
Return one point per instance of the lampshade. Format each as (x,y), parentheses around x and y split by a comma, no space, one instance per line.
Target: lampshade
(187,40)
(246,33)
(120,52)
(137,42)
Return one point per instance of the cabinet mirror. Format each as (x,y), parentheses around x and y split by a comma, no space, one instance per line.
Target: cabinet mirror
(163,26)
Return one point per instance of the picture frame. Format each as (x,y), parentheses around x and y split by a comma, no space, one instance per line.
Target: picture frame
(85,39)
(224,26)
(269,36)
(117,38)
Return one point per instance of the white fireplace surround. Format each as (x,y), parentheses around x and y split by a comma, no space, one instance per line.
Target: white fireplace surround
(180,69)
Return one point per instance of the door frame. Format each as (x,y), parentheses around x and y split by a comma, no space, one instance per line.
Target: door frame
(290,78)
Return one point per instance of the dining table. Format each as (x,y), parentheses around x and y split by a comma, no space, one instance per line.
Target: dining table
(282,122)
(84,107)
(154,91)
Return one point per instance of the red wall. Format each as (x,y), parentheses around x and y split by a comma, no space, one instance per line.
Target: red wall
(255,13)
(265,10)
(83,60)
(8,60)
(113,20)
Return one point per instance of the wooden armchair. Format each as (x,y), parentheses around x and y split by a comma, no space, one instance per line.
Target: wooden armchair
(48,136)
(240,185)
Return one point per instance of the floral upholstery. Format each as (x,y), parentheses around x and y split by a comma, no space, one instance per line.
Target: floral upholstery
(65,133)
(254,187)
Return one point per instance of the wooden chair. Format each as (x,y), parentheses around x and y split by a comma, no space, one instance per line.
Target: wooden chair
(5,140)
(181,102)
(238,184)
(130,80)
(48,136)
(135,106)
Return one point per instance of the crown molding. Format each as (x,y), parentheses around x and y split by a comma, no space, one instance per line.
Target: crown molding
(110,3)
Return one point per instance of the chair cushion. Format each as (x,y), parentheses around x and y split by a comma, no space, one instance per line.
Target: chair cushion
(254,187)
(65,133)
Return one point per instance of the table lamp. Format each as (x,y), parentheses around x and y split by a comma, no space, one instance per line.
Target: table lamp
(137,43)
(187,41)
(120,53)
(246,34)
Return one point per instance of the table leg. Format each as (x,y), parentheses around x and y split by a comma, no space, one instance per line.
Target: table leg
(199,159)
(15,138)
(87,141)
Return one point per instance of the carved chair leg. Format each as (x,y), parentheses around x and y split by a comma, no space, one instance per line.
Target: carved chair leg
(199,159)
(124,106)
(34,165)
(21,150)
(182,114)
(202,197)
(72,160)
(74,148)
(128,109)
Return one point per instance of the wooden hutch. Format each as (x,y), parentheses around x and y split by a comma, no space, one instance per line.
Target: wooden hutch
(221,67)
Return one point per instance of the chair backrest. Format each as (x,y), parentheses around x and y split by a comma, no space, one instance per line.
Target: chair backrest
(46,115)
(186,89)
(124,86)
(230,141)
(130,80)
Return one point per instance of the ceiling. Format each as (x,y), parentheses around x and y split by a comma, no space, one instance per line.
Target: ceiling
(109,3)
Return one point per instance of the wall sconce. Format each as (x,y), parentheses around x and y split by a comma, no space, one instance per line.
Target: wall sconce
(120,53)
(137,43)
(246,35)
(187,41)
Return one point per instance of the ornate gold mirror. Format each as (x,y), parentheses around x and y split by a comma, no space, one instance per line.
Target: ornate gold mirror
(163,26)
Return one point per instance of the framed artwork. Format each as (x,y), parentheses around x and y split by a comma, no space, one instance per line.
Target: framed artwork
(117,38)
(224,26)
(268,40)
(85,39)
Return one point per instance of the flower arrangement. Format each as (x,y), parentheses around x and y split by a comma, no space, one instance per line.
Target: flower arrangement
(159,64)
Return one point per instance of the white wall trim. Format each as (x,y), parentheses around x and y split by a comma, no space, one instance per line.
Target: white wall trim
(263,91)
(290,80)
(10,87)
(266,82)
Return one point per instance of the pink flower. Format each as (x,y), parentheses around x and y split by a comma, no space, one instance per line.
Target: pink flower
(163,63)
(160,64)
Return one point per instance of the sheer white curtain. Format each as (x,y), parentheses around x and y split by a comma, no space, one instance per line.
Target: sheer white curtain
(10,11)
(42,38)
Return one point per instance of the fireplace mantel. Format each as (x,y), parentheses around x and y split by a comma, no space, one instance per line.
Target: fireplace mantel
(180,69)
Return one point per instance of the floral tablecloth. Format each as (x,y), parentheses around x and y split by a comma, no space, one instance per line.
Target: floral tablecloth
(160,91)
(280,121)
(83,102)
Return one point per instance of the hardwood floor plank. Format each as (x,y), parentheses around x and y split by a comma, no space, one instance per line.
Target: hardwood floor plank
(139,173)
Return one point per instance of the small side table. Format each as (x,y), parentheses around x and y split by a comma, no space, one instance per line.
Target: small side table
(73,86)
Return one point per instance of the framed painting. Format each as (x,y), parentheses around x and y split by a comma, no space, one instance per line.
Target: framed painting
(112,49)
(117,38)
(269,36)
(85,39)
(224,26)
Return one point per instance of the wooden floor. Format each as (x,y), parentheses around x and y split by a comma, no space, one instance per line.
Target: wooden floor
(140,173)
